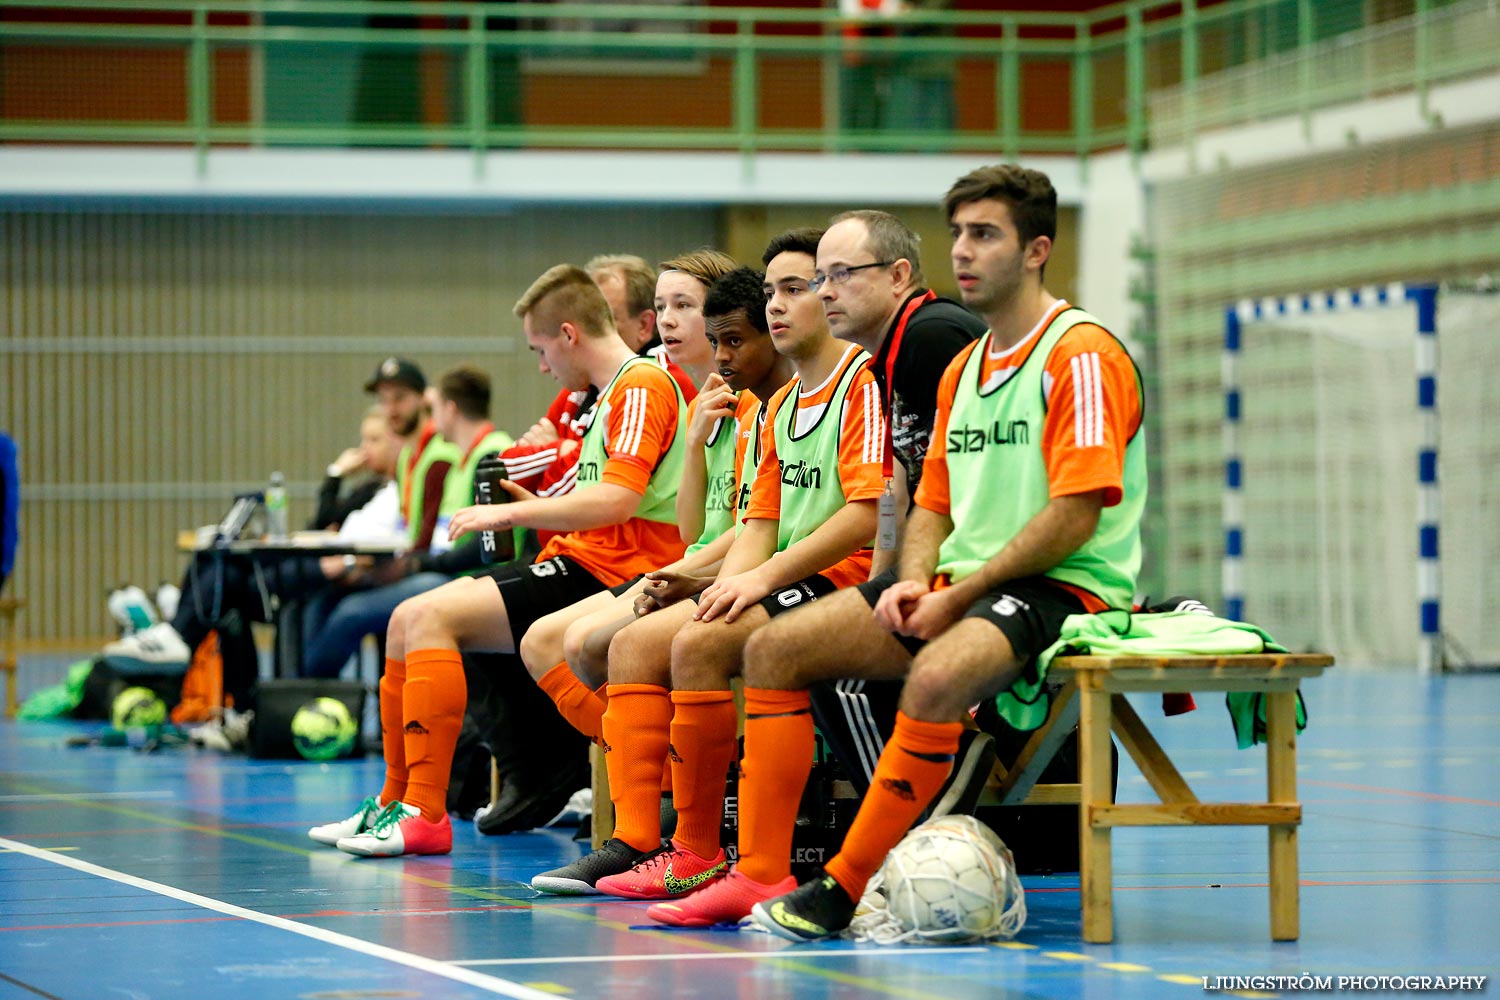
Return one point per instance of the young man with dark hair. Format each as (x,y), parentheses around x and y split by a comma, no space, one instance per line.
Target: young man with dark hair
(807,529)
(1028,511)
(875,294)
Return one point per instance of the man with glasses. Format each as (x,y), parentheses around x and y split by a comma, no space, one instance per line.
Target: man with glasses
(1028,512)
(869,276)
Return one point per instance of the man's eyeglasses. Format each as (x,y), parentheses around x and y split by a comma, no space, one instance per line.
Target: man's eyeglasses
(839,275)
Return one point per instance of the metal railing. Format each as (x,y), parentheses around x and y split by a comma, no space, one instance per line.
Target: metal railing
(487,76)
(1433,45)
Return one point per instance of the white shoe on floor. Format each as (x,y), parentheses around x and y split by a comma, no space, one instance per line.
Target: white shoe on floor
(360,822)
(225,735)
(156,646)
(131,609)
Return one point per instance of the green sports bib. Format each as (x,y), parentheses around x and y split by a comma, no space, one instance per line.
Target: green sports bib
(660,499)
(999,477)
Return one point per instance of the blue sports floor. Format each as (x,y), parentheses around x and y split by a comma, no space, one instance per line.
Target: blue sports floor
(184,874)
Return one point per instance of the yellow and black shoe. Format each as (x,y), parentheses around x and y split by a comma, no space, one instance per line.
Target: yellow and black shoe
(812,911)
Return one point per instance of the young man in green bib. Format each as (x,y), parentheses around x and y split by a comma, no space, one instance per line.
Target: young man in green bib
(617,522)
(1028,511)
(720,423)
(807,530)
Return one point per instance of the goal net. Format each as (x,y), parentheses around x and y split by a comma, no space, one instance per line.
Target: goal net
(1336,538)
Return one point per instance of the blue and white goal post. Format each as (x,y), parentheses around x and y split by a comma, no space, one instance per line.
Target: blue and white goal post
(1332,501)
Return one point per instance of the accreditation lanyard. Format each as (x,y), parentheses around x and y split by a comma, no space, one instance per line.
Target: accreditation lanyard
(429,431)
(885,536)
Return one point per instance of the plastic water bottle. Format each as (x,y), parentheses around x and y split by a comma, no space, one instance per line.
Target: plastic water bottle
(168,597)
(494,546)
(276,528)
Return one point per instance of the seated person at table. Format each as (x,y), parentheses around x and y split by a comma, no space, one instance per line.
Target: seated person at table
(460,405)
(217,582)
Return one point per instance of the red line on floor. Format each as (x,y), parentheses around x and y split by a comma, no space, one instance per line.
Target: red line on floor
(1431,796)
(1322,883)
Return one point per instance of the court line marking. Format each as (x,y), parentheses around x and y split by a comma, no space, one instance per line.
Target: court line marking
(54,796)
(794,959)
(698,956)
(489,984)
(1429,796)
(565,911)
(87,800)
(29,988)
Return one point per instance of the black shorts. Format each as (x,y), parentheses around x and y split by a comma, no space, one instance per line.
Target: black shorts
(792,596)
(1029,611)
(619,589)
(536,590)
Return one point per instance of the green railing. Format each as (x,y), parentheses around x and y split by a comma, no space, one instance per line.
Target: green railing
(600,76)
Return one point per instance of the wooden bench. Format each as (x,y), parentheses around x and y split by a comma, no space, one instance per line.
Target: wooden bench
(1093,699)
(8,660)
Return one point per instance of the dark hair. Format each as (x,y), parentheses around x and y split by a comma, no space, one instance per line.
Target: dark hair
(467,388)
(801,240)
(1028,193)
(742,288)
(888,238)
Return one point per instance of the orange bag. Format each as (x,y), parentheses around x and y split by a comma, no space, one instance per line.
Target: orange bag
(202,685)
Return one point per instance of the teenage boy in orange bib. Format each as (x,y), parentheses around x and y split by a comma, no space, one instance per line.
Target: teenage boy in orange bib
(554,661)
(807,530)
(721,421)
(1028,511)
(615,524)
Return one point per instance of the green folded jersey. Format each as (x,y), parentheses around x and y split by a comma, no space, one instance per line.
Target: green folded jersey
(1123,633)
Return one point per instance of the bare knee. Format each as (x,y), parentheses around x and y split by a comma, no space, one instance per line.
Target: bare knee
(772,657)
(635,656)
(928,694)
(586,648)
(942,688)
(396,628)
(591,657)
(431,618)
(698,658)
(541,645)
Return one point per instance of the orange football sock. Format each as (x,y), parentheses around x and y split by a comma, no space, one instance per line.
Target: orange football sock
(575,700)
(635,751)
(778,759)
(702,741)
(434,699)
(392,738)
(913,767)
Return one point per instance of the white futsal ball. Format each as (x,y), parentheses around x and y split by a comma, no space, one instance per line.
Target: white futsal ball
(951,879)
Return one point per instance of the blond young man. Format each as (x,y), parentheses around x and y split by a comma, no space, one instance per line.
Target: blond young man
(616,523)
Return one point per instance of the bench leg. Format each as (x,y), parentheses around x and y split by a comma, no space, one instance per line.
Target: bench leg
(1281,782)
(602,823)
(1095,863)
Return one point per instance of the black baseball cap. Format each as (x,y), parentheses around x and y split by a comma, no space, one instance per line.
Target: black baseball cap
(399,371)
